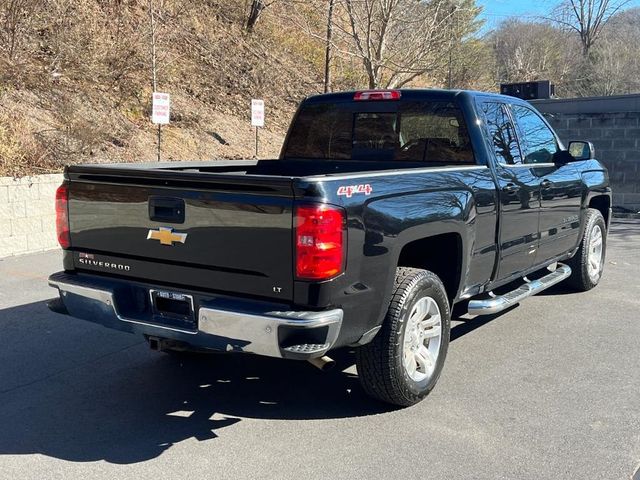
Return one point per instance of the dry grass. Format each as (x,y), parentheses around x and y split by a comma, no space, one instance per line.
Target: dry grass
(21,152)
(77,87)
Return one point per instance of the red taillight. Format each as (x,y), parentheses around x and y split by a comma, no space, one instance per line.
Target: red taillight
(377,95)
(320,241)
(62,216)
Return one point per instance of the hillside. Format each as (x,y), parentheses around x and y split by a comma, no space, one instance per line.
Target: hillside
(77,86)
(76,75)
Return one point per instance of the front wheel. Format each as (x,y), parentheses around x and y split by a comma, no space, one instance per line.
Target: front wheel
(403,362)
(588,262)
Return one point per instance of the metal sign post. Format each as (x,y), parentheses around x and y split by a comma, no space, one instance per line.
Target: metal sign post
(257,117)
(160,113)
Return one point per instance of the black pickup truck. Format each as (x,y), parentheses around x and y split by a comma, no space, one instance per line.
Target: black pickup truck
(385,210)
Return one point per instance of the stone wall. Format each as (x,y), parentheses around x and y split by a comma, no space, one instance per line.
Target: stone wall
(613,125)
(27,214)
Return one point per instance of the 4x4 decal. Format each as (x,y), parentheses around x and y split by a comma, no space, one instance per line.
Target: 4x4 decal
(350,190)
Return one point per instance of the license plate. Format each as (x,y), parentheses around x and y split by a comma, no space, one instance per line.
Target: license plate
(173,309)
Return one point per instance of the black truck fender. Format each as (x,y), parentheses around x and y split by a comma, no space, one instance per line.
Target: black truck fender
(436,235)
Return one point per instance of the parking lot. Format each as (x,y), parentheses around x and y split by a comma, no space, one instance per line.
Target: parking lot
(549,389)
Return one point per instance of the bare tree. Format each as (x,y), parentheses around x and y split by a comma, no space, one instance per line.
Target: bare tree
(527,51)
(15,18)
(398,40)
(255,10)
(463,51)
(471,66)
(327,56)
(587,18)
(614,66)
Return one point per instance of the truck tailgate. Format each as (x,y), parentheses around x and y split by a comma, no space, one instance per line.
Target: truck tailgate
(227,233)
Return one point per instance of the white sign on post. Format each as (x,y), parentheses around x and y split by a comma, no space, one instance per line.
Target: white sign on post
(160,108)
(257,113)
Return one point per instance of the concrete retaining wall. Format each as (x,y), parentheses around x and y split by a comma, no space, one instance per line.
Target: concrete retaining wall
(27,214)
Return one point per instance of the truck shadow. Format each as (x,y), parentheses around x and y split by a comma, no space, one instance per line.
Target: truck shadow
(625,229)
(78,392)
(463,325)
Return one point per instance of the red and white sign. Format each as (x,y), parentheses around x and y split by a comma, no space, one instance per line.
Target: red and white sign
(160,108)
(257,113)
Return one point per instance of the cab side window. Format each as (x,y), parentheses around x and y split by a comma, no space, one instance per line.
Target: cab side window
(501,133)
(538,142)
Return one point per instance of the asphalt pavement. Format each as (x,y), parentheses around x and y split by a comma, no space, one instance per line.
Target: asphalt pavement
(547,390)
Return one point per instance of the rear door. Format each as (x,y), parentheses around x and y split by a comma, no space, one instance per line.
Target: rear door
(174,228)
(561,184)
(518,191)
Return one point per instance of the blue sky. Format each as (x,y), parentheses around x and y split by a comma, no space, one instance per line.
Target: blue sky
(497,10)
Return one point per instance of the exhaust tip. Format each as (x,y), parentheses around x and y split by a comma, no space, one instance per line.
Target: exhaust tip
(323,363)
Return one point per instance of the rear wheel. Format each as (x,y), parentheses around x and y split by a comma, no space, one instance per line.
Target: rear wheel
(588,262)
(403,362)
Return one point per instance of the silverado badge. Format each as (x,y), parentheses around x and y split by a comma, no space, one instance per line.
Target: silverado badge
(166,236)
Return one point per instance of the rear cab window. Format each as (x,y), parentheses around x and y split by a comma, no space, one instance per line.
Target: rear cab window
(407,131)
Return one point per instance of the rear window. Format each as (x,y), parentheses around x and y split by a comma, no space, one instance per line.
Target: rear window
(421,132)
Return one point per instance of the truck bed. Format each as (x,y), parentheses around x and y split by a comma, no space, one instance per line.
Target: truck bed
(237,217)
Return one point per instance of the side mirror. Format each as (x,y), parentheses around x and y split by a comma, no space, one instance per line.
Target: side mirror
(580,150)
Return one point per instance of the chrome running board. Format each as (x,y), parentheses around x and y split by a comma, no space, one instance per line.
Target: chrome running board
(497,303)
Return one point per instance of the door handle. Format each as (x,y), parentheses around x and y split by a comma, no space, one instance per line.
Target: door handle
(510,188)
(546,184)
(166,209)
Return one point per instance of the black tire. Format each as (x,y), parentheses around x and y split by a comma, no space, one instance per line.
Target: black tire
(580,278)
(380,363)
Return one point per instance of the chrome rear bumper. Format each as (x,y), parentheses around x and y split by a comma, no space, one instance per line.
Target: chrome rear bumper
(274,333)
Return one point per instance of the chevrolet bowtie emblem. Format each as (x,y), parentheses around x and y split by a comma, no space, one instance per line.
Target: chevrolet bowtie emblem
(166,236)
